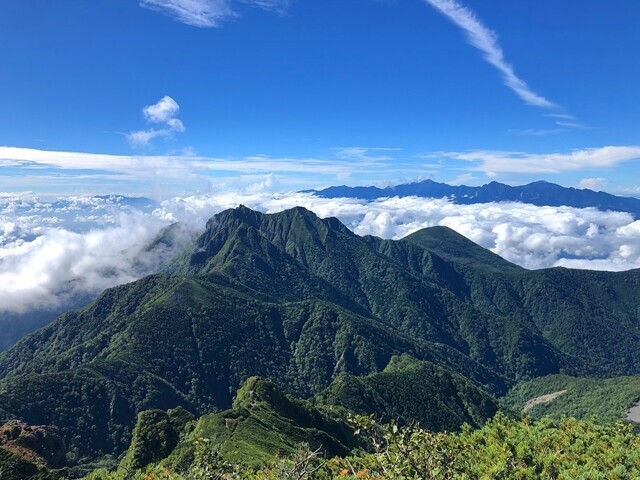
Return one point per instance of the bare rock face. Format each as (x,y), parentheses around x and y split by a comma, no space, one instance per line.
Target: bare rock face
(41,445)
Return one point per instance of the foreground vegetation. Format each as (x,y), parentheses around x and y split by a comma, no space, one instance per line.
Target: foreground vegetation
(267,434)
(503,448)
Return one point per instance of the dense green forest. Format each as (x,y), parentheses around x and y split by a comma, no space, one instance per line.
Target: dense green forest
(270,435)
(349,323)
(409,391)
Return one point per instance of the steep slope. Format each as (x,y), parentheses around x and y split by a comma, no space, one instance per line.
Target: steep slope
(14,326)
(169,341)
(263,421)
(296,255)
(537,193)
(455,249)
(411,391)
(303,300)
(591,318)
(439,286)
(156,434)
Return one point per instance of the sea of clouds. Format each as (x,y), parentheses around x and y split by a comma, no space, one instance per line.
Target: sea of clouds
(52,252)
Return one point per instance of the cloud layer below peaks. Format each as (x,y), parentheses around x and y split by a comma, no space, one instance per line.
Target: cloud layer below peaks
(53,252)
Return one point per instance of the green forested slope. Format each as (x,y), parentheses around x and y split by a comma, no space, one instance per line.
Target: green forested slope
(410,391)
(190,343)
(155,436)
(303,300)
(14,467)
(262,422)
(503,448)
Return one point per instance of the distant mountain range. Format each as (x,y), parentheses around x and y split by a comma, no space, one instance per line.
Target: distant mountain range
(305,302)
(537,193)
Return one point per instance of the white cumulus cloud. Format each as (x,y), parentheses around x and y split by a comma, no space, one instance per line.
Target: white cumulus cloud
(54,251)
(164,112)
(528,235)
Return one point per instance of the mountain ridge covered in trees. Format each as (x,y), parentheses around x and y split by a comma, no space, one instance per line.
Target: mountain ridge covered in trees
(305,302)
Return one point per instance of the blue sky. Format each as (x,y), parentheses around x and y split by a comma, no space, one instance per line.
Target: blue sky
(160,97)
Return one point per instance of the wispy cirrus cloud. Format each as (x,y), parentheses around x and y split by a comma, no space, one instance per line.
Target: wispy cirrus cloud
(494,162)
(561,116)
(140,173)
(486,41)
(274,5)
(369,154)
(208,13)
(572,124)
(566,120)
(55,172)
(163,112)
(196,13)
(536,132)
(364,164)
(359,159)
